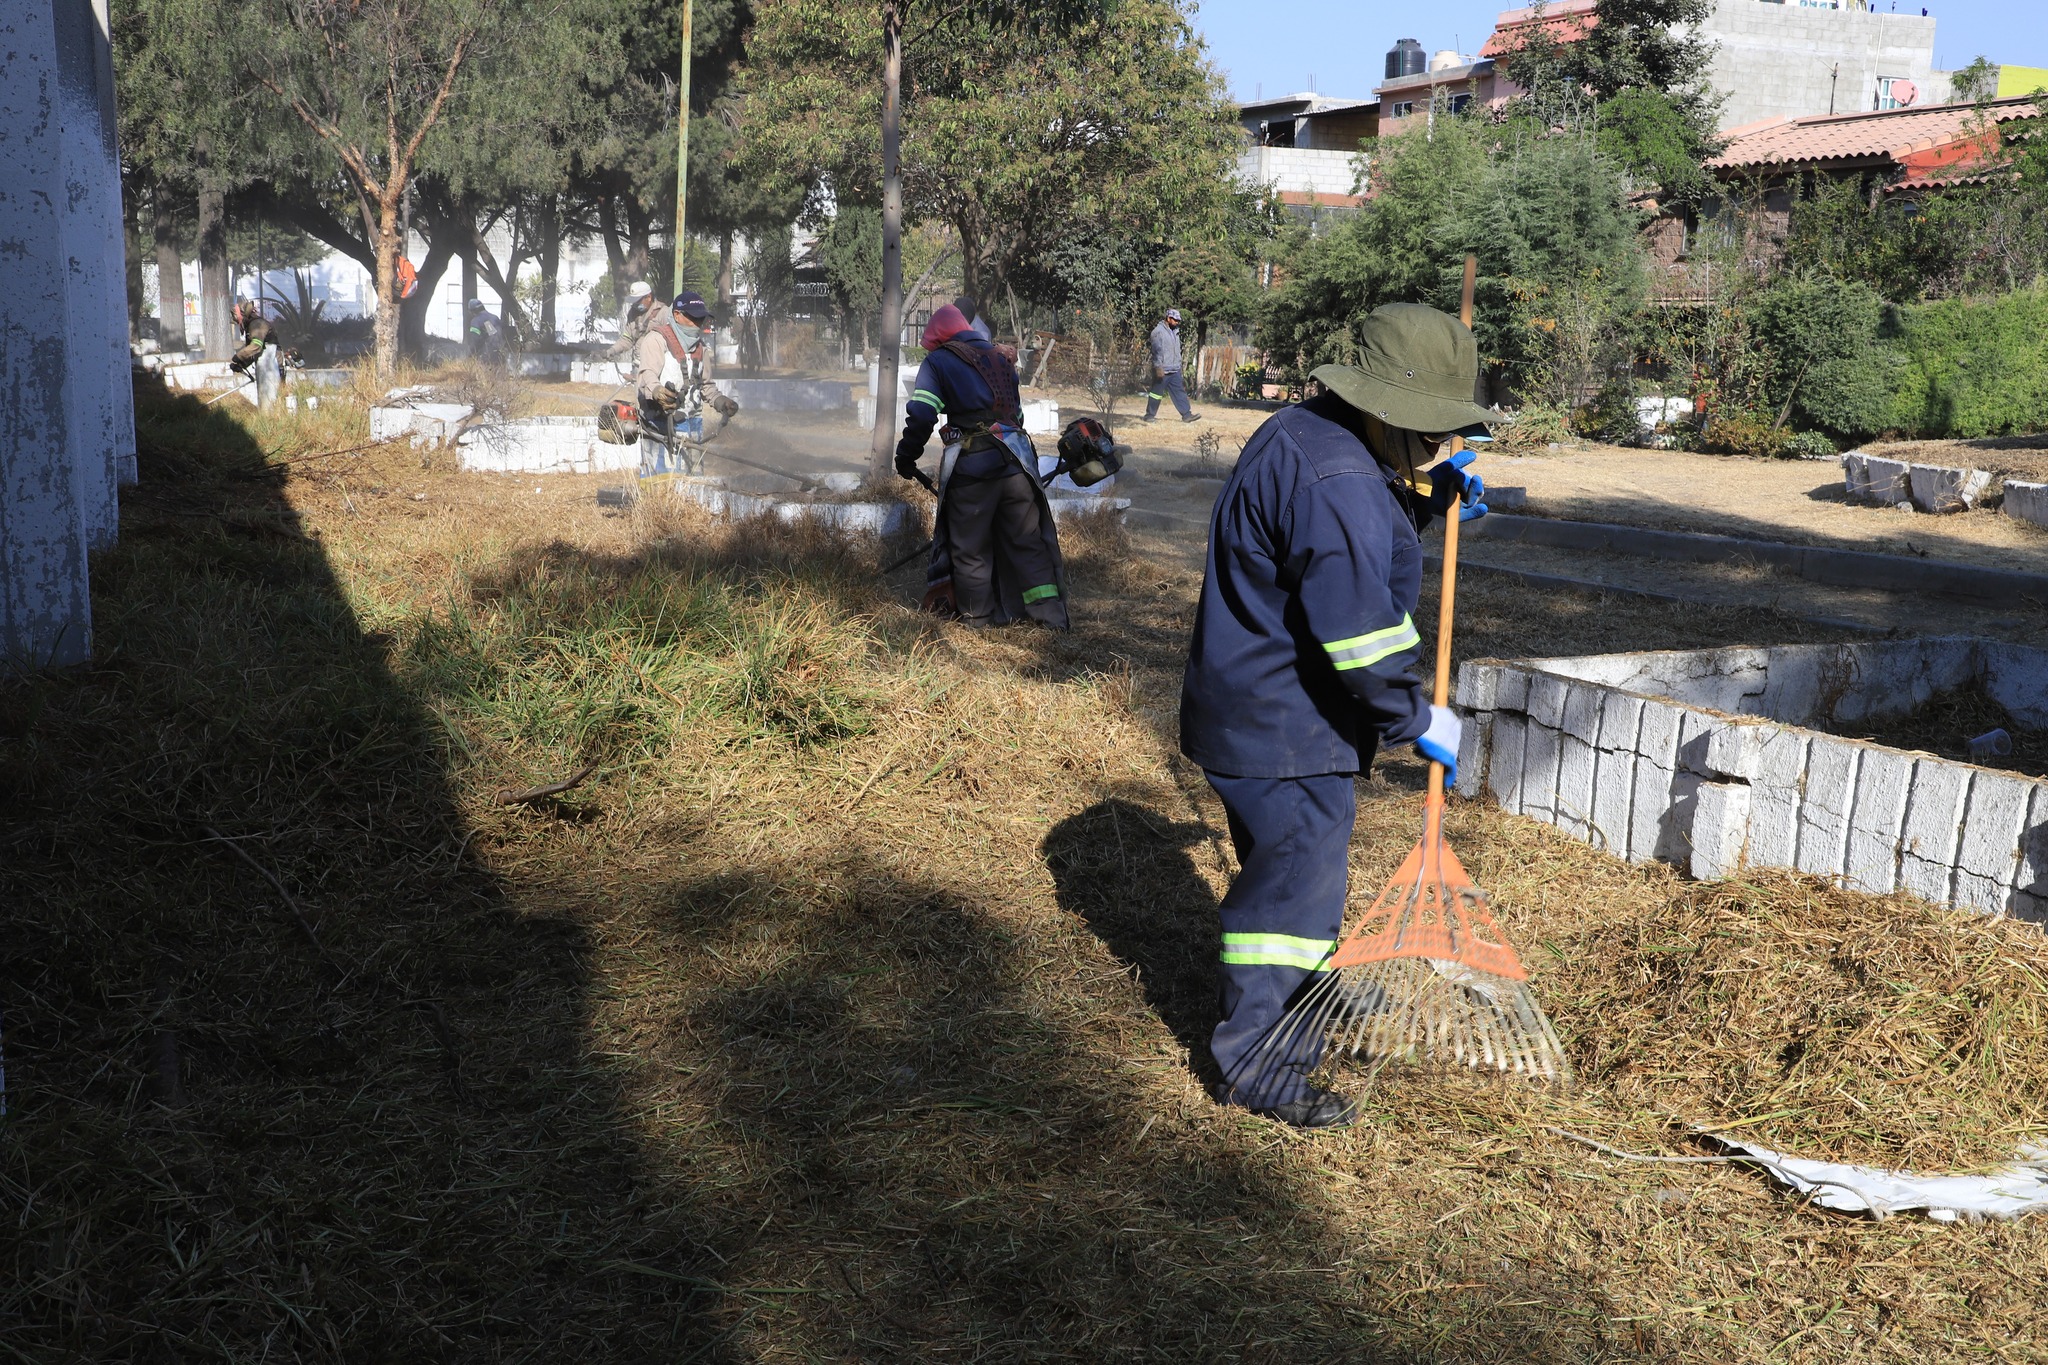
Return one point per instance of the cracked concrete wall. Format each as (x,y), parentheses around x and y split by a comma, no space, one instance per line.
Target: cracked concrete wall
(67,428)
(101,398)
(1591,746)
(45,514)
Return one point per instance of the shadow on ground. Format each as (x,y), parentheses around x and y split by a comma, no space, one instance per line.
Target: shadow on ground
(291,1076)
(294,1077)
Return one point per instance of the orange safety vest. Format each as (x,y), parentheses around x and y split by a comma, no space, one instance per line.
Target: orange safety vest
(408,278)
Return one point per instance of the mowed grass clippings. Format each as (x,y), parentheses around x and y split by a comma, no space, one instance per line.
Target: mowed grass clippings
(846,1013)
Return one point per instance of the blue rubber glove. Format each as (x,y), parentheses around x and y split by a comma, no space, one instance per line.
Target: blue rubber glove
(1448,480)
(1439,743)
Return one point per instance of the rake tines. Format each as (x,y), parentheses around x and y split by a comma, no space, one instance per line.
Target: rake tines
(1427,978)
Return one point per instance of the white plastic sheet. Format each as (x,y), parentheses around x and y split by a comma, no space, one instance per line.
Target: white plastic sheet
(2008,1193)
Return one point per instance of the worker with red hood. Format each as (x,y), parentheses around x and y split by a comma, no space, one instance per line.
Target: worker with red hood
(995,553)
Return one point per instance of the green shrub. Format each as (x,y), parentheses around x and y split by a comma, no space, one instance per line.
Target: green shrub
(1611,416)
(1248,380)
(1974,368)
(1816,343)
(1535,426)
(1810,445)
(1743,433)
(1854,396)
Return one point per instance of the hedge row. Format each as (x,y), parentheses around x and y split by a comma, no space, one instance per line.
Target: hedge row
(1969,368)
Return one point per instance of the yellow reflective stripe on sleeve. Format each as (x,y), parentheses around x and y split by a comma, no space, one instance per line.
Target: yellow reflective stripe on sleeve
(1040,593)
(1278,950)
(1360,650)
(930,399)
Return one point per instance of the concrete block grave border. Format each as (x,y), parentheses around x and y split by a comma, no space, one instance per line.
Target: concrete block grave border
(1645,777)
(872,518)
(1938,488)
(2027,502)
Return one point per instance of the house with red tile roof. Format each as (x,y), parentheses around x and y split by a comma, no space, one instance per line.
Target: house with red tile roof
(1896,155)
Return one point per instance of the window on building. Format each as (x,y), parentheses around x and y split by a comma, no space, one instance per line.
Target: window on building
(1887,86)
(1460,103)
(1278,133)
(1402,110)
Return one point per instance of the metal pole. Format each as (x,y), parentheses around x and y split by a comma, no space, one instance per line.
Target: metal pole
(683,150)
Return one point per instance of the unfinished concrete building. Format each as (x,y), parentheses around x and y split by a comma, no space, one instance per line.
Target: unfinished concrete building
(67,422)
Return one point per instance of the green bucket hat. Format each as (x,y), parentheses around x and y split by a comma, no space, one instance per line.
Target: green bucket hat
(1416,369)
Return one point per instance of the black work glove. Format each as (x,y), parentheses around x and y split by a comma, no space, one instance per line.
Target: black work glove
(906,462)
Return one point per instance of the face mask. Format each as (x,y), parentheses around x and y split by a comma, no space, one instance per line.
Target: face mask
(1405,452)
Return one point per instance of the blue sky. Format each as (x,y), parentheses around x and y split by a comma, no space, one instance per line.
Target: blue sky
(1343,43)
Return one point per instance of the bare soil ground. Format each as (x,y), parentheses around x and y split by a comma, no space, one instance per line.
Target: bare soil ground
(1797,501)
(852,1008)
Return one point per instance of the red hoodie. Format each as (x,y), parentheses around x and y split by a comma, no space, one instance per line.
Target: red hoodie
(944,326)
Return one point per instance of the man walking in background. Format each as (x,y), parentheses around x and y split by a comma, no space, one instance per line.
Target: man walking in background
(1166,369)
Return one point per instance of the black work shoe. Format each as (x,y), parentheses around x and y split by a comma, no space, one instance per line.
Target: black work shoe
(1192,417)
(1317,1109)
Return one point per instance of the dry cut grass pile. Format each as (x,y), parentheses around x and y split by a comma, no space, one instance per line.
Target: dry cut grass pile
(853,1008)
(1823,1023)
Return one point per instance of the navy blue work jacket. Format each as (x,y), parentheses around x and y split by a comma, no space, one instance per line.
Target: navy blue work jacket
(1305,641)
(948,384)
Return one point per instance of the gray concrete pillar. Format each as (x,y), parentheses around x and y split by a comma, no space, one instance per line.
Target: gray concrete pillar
(45,603)
(97,387)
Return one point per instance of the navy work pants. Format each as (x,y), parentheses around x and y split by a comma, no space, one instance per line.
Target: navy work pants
(1281,920)
(1167,384)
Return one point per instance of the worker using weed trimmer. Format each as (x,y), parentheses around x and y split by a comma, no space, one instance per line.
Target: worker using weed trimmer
(995,552)
(1302,662)
(259,356)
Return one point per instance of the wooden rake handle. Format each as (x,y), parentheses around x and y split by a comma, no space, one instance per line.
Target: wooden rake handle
(1447,599)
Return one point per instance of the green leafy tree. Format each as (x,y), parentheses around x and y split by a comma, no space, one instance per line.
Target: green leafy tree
(1638,76)
(830,109)
(1561,278)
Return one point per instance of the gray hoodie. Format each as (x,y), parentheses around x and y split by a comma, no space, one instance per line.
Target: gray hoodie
(1165,348)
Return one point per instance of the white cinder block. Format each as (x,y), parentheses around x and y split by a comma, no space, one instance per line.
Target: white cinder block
(1993,821)
(1720,829)
(2027,502)
(1696,731)
(1582,713)
(1888,480)
(1614,768)
(1876,814)
(1937,488)
(1774,807)
(2032,876)
(1473,748)
(1674,824)
(1539,772)
(1737,751)
(1934,818)
(1514,689)
(1478,686)
(1546,699)
(1855,475)
(1504,760)
(1575,786)
(1831,766)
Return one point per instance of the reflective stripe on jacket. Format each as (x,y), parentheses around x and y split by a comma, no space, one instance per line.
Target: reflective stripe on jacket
(1305,637)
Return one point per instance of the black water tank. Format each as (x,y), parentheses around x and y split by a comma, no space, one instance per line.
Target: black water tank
(1406,58)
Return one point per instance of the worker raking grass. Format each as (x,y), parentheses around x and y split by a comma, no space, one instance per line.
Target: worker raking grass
(1302,666)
